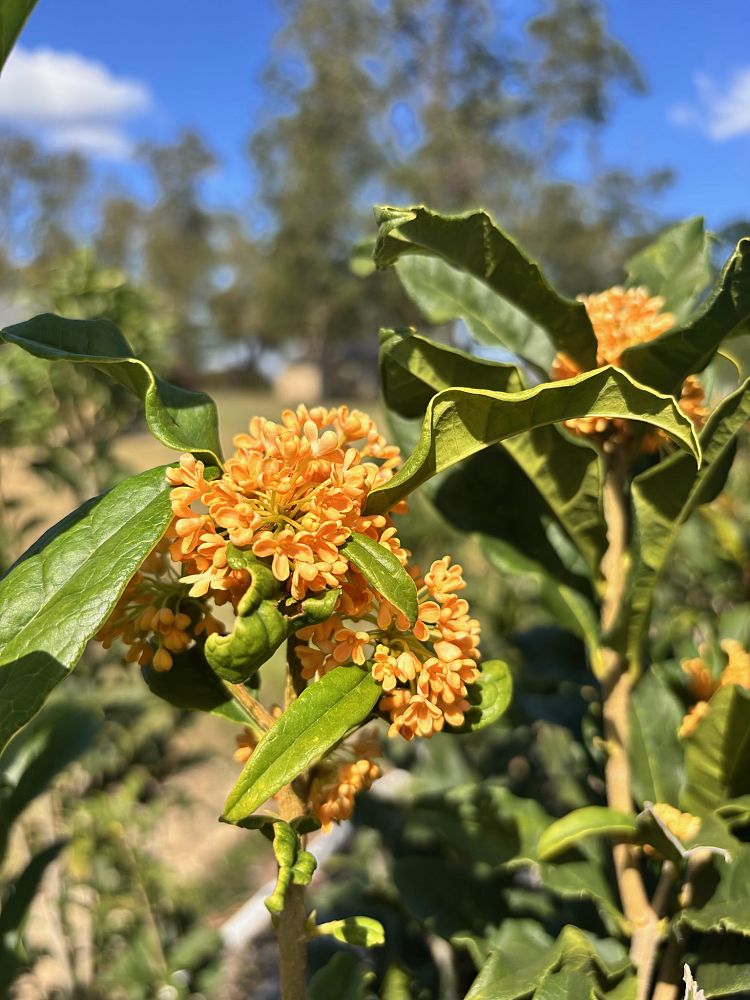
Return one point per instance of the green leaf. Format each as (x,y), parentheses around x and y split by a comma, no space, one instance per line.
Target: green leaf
(261,624)
(569,608)
(665,362)
(444,293)
(717,754)
(322,716)
(489,697)
(192,686)
(413,368)
(53,602)
(676,266)
(344,978)
(666,495)
(581,878)
(727,908)
(13,16)
(460,422)
(384,573)
(524,963)
(590,821)
(296,866)
(474,244)
(180,419)
(362,931)
(656,757)
(522,956)
(549,473)
(723,967)
(59,734)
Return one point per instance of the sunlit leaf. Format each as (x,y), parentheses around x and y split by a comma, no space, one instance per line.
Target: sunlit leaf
(444,293)
(590,821)
(54,601)
(665,496)
(321,716)
(665,362)
(489,697)
(460,422)
(676,266)
(717,753)
(473,243)
(362,931)
(179,418)
(383,572)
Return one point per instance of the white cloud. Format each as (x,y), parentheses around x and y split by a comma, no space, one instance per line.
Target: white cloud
(722,111)
(74,102)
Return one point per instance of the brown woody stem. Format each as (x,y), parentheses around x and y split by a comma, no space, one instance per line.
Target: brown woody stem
(291,927)
(616,686)
(259,715)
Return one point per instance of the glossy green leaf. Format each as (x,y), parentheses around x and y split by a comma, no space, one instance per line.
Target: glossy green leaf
(383,572)
(665,362)
(473,243)
(52,603)
(676,266)
(460,422)
(577,878)
(717,754)
(590,821)
(413,368)
(343,977)
(444,293)
(180,419)
(558,475)
(361,931)
(13,16)
(261,624)
(321,717)
(192,686)
(489,697)
(656,756)
(666,495)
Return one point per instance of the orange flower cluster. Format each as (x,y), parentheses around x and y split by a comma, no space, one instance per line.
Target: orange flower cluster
(337,780)
(424,670)
(154,615)
(703,684)
(292,492)
(622,318)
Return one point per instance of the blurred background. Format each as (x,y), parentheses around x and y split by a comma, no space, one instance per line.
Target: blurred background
(203,179)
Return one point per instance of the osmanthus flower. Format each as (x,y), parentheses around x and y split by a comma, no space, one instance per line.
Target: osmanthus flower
(424,670)
(292,493)
(345,772)
(684,826)
(155,616)
(702,683)
(622,318)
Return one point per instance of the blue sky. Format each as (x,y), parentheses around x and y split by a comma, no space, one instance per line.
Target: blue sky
(101,75)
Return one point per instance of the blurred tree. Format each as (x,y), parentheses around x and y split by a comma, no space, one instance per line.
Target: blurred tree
(41,196)
(317,155)
(442,101)
(179,254)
